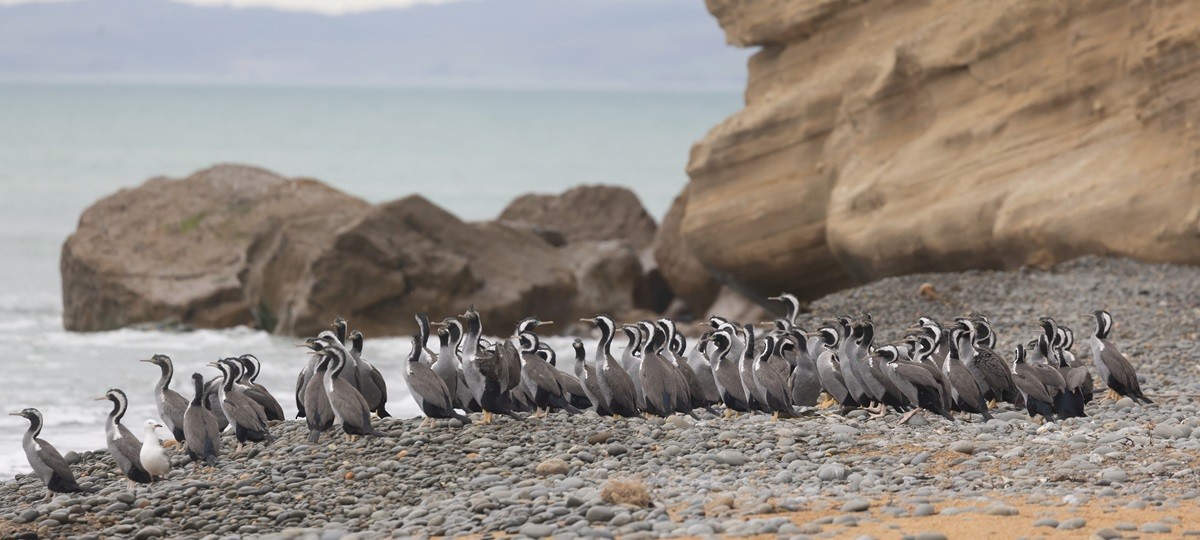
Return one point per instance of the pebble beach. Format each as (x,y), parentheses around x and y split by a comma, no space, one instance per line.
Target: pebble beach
(1126,470)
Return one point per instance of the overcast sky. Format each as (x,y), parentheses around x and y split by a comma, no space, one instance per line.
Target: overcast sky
(478,43)
(331,7)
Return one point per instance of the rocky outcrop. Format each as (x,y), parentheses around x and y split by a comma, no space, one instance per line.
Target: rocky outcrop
(236,245)
(682,271)
(883,138)
(214,250)
(585,213)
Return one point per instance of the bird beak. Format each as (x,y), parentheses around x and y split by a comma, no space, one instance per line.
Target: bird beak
(101,398)
(156,426)
(702,324)
(147,360)
(544,323)
(439,324)
(587,320)
(16,414)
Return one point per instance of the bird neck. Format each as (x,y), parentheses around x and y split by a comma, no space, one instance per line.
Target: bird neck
(168,372)
(198,397)
(35,427)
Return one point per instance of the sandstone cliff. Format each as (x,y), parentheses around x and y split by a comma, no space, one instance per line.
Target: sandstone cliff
(237,245)
(889,137)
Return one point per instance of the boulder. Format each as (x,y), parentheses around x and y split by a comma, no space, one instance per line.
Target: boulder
(410,256)
(194,251)
(235,245)
(888,138)
(585,213)
(680,269)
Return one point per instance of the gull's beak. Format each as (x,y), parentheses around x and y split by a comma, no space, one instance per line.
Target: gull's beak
(156,426)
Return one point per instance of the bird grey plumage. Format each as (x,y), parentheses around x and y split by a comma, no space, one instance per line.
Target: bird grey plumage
(586,375)
(539,379)
(965,393)
(631,360)
(427,388)
(1038,399)
(202,433)
(988,367)
(170,404)
(928,388)
(571,385)
(212,401)
(319,417)
(805,386)
(247,417)
(1114,369)
(756,401)
(726,375)
(124,447)
(47,464)
(259,393)
(658,379)
(446,367)
(350,409)
(772,379)
(371,384)
(674,356)
(829,372)
(698,361)
(618,392)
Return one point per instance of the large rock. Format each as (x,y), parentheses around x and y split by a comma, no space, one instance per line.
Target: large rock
(682,271)
(194,251)
(883,138)
(237,245)
(585,213)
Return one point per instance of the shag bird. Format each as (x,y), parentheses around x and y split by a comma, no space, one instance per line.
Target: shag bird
(617,390)
(726,376)
(152,457)
(247,417)
(538,378)
(755,398)
(1038,400)
(448,364)
(251,368)
(587,377)
(698,361)
(631,359)
(124,447)
(797,349)
(319,417)
(989,369)
(772,378)
(792,306)
(202,434)
(349,407)
(830,373)
(47,463)
(1114,368)
(170,404)
(370,380)
(965,393)
(661,380)
(677,345)
(427,389)
(571,385)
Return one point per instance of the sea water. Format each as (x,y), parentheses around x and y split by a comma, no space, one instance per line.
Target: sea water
(469,150)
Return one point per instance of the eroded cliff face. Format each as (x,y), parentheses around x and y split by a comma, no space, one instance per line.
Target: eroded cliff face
(889,137)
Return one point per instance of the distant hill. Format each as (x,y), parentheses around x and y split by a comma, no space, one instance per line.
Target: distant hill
(639,43)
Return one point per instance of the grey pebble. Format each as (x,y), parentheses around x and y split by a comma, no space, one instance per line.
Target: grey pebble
(924,509)
(1155,527)
(1046,522)
(1071,524)
(856,505)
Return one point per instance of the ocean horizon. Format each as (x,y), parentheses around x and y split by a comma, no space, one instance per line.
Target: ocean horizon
(470,150)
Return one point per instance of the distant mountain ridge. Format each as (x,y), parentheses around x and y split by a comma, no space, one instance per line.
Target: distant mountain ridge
(585,43)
